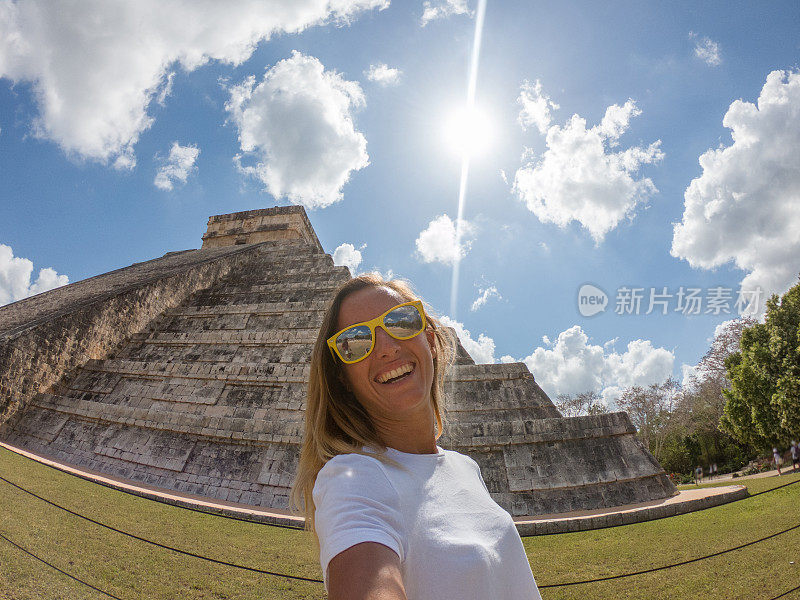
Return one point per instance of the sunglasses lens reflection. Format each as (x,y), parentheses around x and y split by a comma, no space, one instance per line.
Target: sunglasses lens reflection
(354,343)
(403,322)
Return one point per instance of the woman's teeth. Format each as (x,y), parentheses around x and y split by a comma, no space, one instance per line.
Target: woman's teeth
(394,374)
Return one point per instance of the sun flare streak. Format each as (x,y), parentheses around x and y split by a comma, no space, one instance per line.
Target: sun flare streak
(470,109)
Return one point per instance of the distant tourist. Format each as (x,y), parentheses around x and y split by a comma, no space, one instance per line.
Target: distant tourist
(795,455)
(776,457)
(395,515)
(714,470)
(698,474)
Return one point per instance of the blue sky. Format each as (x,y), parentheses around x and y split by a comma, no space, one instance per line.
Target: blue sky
(598,116)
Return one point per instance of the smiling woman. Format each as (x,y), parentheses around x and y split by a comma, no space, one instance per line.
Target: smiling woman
(395,515)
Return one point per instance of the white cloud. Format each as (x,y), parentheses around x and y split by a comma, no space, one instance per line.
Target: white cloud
(177,166)
(744,206)
(125,160)
(298,124)
(536,107)
(387,275)
(706,50)
(579,178)
(441,9)
(15,277)
(347,255)
(383,74)
(96,66)
(437,243)
(483,297)
(572,365)
(166,89)
(689,373)
(481,350)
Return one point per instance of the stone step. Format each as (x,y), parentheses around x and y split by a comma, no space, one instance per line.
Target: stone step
(281,248)
(298,255)
(574,463)
(493,432)
(238,321)
(524,409)
(253,429)
(265,308)
(185,394)
(273,373)
(315,268)
(490,372)
(217,297)
(271,278)
(236,337)
(153,351)
(208,300)
(497,395)
(310,287)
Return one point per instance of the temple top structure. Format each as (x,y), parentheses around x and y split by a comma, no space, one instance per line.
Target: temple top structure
(256,226)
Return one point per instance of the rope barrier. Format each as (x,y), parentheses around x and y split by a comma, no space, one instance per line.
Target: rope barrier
(678,564)
(314,580)
(110,595)
(786,593)
(777,487)
(178,550)
(86,583)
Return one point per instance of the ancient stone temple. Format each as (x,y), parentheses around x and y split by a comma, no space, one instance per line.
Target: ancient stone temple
(187,372)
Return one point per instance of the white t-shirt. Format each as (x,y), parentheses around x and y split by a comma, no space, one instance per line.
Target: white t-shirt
(453,540)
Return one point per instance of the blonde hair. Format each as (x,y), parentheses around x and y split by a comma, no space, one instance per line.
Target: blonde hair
(335,421)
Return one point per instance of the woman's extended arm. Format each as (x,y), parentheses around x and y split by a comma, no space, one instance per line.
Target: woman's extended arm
(366,571)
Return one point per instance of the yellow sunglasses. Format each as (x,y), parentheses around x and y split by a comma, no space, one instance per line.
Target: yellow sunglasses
(355,342)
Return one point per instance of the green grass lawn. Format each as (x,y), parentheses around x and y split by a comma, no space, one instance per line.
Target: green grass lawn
(131,569)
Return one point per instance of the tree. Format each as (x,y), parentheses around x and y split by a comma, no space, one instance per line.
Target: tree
(576,405)
(650,410)
(727,340)
(763,401)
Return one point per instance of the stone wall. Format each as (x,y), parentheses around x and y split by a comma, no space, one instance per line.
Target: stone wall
(49,335)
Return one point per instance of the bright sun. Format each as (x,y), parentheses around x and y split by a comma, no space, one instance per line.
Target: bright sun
(468,131)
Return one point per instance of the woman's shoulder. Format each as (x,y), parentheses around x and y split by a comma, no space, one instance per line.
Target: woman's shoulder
(463,458)
(351,467)
(364,461)
(351,476)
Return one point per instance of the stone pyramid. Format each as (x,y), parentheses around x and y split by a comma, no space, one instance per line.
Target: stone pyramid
(188,373)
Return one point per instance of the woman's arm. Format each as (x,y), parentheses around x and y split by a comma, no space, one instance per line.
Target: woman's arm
(366,571)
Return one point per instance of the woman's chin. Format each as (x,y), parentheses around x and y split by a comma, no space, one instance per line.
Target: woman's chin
(405,398)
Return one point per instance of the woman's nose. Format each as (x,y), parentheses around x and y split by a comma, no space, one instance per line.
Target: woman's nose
(385,344)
